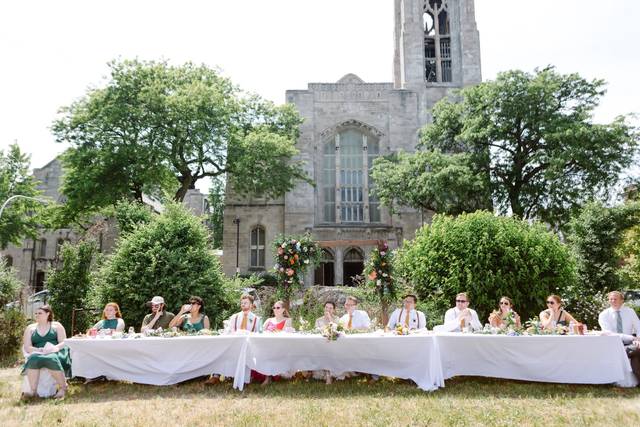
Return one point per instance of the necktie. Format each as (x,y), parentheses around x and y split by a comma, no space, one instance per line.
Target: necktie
(618,322)
(350,324)
(406,319)
(243,325)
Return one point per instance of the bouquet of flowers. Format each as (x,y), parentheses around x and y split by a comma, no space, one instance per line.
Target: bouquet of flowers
(332,331)
(378,272)
(400,329)
(293,255)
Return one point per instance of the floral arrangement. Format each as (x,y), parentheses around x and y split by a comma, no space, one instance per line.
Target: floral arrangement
(379,276)
(175,332)
(332,331)
(293,255)
(401,330)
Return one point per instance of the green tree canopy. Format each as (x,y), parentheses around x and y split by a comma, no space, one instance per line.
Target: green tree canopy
(158,129)
(534,136)
(168,256)
(19,217)
(431,180)
(487,256)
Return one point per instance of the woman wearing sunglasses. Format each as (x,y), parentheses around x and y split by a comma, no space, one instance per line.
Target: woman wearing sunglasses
(555,315)
(498,318)
(280,320)
(191,316)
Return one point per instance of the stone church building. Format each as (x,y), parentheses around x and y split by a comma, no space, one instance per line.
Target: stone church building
(347,124)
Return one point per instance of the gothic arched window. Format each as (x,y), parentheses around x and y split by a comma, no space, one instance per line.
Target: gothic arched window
(257,248)
(437,42)
(346,164)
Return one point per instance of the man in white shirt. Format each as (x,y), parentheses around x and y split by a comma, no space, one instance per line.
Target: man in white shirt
(623,321)
(408,316)
(460,316)
(245,320)
(354,318)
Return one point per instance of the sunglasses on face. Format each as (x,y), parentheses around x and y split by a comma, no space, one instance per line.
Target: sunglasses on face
(504,303)
(277,308)
(551,302)
(461,301)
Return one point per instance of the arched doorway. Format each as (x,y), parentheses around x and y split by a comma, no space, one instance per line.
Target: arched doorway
(324,272)
(352,266)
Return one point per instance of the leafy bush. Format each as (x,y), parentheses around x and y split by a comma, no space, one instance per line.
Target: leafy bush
(170,257)
(131,214)
(69,285)
(9,284)
(488,257)
(595,236)
(12,325)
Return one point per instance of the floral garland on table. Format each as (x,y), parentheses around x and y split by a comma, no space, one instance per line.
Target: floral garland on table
(293,255)
(532,327)
(174,332)
(331,331)
(379,274)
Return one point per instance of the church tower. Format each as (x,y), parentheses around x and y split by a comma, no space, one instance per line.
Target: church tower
(437,47)
(348,123)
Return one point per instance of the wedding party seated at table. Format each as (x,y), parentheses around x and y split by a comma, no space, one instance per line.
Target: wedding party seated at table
(111,318)
(354,318)
(555,315)
(622,320)
(44,346)
(328,317)
(501,317)
(191,316)
(280,320)
(458,318)
(246,319)
(158,318)
(408,316)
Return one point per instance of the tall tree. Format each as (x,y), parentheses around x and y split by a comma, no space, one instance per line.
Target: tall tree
(535,137)
(158,129)
(431,180)
(18,218)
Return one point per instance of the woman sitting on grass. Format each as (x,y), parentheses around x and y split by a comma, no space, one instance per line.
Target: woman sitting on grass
(111,318)
(43,342)
(191,316)
(504,315)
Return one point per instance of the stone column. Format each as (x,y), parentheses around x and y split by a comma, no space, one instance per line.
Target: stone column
(338,266)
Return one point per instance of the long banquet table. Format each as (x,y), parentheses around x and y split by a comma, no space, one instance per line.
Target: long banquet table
(427,359)
(575,359)
(158,361)
(413,357)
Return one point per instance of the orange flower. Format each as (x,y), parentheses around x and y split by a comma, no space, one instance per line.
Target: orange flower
(373,275)
(292,261)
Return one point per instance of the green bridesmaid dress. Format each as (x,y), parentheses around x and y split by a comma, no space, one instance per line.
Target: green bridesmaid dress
(191,327)
(59,361)
(108,324)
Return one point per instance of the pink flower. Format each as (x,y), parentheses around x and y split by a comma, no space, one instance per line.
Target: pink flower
(280,250)
(290,272)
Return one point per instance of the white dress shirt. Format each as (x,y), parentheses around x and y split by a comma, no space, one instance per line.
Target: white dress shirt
(360,320)
(253,322)
(630,322)
(417,319)
(452,324)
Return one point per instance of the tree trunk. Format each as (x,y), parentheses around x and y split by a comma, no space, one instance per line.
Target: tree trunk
(385,313)
(186,182)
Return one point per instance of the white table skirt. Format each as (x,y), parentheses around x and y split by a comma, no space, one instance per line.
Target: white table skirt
(158,361)
(414,357)
(574,359)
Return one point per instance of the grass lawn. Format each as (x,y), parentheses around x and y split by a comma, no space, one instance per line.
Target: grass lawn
(464,401)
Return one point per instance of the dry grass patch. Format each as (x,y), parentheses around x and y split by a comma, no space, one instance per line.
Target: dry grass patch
(463,402)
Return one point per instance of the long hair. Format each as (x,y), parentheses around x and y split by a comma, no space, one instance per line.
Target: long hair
(47,309)
(285,312)
(114,305)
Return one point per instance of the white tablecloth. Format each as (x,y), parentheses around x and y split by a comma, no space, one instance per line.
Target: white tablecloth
(575,359)
(414,357)
(158,361)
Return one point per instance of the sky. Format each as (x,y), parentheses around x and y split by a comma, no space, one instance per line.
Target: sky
(52,51)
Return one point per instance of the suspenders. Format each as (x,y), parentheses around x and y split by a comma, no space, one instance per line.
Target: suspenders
(408,314)
(253,328)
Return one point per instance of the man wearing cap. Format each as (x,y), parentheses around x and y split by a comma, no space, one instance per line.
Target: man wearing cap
(408,316)
(158,318)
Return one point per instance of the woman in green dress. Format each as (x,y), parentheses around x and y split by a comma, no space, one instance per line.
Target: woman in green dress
(44,345)
(191,316)
(111,318)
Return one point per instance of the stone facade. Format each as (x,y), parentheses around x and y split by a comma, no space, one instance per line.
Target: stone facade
(346,125)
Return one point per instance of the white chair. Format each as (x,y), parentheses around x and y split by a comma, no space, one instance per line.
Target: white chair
(46,383)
